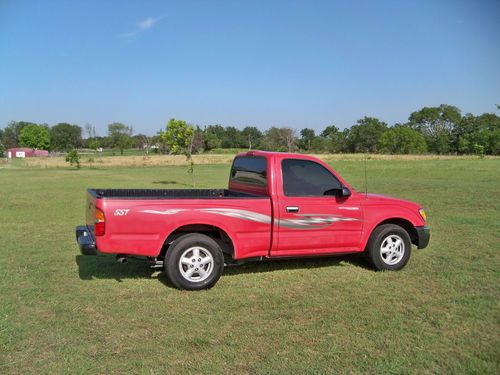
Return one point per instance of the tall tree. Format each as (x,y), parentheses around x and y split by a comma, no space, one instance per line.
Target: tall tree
(35,136)
(198,140)
(212,136)
(64,136)
(232,138)
(437,125)
(334,138)
(365,135)
(307,136)
(280,139)
(142,142)
(477,132)
(120,136)
(12,131)
(252,136)
(402,140)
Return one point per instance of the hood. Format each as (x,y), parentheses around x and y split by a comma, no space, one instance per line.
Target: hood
(384,199)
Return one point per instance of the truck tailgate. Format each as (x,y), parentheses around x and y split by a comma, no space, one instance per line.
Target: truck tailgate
(90,211)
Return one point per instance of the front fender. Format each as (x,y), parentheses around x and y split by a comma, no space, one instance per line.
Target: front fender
(376,215)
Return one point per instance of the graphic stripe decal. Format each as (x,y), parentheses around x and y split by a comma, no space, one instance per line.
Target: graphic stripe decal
(166,212)
(308,221)
(240,214)
(303,221)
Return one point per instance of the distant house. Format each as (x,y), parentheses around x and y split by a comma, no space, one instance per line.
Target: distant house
(24,152)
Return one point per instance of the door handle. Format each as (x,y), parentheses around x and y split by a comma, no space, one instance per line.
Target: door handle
(292,209)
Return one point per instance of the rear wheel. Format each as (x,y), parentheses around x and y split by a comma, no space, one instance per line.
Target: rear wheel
(389,247)
(193,262)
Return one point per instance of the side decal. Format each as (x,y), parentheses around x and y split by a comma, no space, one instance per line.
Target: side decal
(303,221)
(166,212)
(312,221)
(240,214)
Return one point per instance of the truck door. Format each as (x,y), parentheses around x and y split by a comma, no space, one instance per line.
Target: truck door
(312,218)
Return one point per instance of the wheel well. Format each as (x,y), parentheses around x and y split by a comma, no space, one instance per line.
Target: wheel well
(406,225)
(220,236)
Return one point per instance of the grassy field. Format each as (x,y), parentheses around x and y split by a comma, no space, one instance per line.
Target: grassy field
(64,313)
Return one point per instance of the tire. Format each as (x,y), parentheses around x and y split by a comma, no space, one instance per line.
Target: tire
(194,262)
(389,247)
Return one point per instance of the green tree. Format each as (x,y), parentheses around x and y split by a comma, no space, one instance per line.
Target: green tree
(320,145)
(402,140)
(141,141)
(64,136)
(252,137)
(34,136)
(197,143)
(280,139)
(120,136)
(476,130)
(486,132)
(479,150)
(11,133)
(232,138)
(212,136)
(93,144)
(334,138)
(365,135)
(178,136)
(307,136)
(437,124)
(73,157)
(494,142)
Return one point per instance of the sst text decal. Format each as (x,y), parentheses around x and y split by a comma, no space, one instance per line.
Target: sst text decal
(121,212)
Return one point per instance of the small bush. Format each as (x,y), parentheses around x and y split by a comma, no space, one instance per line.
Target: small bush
(479,149)
(73,158)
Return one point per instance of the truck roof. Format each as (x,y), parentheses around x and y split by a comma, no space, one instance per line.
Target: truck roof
(280,155)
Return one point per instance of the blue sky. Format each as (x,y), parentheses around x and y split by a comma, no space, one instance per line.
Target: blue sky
(262,63)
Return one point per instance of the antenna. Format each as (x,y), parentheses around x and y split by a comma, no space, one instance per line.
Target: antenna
(366,178)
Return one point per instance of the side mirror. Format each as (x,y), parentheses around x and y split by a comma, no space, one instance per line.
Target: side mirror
(339,192)
(345,192)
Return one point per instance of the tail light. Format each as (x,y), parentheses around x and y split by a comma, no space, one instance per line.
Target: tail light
(99,223)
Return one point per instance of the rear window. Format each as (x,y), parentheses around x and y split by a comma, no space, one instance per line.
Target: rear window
(251,170)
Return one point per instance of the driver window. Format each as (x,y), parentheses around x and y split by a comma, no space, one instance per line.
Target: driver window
(305,178)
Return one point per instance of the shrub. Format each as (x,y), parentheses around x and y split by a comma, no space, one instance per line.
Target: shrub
(73,158)
(402,140)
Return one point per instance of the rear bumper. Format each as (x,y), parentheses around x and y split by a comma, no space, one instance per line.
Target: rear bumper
(423,236)
(85,240)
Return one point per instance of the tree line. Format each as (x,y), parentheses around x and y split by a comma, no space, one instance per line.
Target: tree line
(440,130)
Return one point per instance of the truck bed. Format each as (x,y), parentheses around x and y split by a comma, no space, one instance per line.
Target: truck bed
(170,194)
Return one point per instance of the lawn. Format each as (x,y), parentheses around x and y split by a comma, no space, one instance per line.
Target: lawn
(64,313)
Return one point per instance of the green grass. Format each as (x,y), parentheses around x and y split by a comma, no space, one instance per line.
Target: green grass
(64,313)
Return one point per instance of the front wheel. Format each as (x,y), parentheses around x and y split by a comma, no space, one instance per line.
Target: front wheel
(193,262)
(389,247)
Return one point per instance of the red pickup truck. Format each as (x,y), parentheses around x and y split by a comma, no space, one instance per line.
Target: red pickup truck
(277,205)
